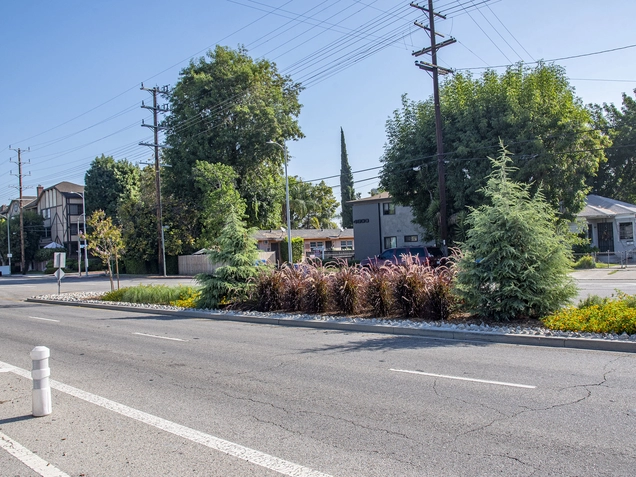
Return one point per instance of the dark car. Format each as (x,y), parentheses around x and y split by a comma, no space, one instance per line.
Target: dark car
(437,256)
(394,255)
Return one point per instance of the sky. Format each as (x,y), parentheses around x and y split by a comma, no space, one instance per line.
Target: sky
(70,90)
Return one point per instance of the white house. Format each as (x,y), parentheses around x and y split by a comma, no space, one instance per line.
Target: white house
(610,223)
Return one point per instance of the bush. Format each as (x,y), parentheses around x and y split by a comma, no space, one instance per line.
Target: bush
(411,283)
(587,261)
(294,285)
(316,288)
(378,290)
(441,301)
(155,294)
(346,284)
(298,249)
(613,316)
(269,289)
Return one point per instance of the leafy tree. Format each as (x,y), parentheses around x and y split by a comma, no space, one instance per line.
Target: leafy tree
(311,206)
(237,255)
(534,111)
(515,260)
(224,109)
(33,230)
(137,213)
(215,186)
(615,177)
(105,241)
(298,250)
(347,192)
(107,183)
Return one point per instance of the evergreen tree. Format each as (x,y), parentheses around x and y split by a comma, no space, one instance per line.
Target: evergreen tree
(346,185)
(238,255)
(515,260)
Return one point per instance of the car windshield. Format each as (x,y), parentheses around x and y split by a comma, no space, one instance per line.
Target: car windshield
(415,251)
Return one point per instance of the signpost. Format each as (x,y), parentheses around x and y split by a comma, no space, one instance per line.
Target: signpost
(59,261)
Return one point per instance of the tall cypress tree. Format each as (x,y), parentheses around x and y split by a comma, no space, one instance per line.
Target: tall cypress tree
(346,184)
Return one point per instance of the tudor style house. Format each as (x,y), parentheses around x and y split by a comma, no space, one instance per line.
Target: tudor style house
(62,207)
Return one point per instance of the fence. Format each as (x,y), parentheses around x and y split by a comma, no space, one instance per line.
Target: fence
(194,264)
(623,259)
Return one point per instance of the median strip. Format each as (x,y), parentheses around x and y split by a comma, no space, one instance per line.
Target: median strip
(460,378)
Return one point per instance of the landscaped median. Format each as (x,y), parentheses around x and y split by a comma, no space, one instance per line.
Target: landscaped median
(503,333)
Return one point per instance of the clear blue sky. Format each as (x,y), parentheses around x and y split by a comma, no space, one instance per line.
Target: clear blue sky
(72,69)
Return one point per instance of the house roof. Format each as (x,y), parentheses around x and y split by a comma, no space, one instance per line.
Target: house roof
(306,234)
(66,187)
(597,207)
(374,198)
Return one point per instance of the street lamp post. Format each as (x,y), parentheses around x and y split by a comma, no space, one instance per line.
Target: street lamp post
(9,242)
(81,194)
(289,242)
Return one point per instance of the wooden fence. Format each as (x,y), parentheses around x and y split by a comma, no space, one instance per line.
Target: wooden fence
(194,264)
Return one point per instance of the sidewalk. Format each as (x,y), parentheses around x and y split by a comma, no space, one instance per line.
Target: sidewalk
(613,273)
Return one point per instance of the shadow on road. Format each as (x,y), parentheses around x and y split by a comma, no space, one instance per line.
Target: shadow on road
(9,420)
(388,343)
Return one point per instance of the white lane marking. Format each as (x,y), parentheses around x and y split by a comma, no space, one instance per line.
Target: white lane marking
(465,379)
(43,319)
(29,459)
(236,450)
(160,337)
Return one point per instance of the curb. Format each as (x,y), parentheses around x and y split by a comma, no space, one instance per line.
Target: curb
(459,335)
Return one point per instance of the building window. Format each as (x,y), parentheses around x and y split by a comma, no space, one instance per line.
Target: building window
(410,238)
(46,213)
(390,242)
(73,229)
(75,209)
(47,232)
(313,245)
(346,244)
(388,208)
(626,230)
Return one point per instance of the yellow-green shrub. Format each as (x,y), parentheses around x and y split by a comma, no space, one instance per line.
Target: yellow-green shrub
(614,316)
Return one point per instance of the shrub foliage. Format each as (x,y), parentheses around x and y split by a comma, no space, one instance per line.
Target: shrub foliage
(516,259)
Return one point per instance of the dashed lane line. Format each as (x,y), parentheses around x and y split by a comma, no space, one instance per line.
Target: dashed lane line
(43,319)
(160,337)
(461,378)
(28,458)
(230,448)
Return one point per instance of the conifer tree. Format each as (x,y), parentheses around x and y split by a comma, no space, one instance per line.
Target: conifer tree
(346,185)
(237,255)
(516,260)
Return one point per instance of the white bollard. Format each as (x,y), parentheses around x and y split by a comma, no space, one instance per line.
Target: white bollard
(41,386)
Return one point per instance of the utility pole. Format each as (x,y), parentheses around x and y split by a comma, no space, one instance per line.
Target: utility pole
(436,70)
(156,109)
(22,261)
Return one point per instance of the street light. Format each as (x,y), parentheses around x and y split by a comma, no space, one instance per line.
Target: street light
(9,242)
(81,194)
(289,242)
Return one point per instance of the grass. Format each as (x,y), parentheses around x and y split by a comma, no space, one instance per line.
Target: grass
(183,296)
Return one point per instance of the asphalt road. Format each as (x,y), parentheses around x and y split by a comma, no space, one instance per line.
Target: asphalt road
(152,395)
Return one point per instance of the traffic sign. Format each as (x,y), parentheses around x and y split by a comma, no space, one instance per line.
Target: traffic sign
(59,274)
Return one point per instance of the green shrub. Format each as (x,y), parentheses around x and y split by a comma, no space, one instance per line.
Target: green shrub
(153,294)
(592,300)
(298,249)
(586,261)
(613,316)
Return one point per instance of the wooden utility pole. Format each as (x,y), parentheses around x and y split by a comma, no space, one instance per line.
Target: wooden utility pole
(156,109)
(22,261)
(436,70)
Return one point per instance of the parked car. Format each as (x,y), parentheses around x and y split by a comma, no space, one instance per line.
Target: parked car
(437,256)
(394,255)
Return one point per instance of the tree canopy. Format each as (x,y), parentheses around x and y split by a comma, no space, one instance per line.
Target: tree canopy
(107,183)
(615,177)
(311,206)
(224,109)
(347,192)
(534,111)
